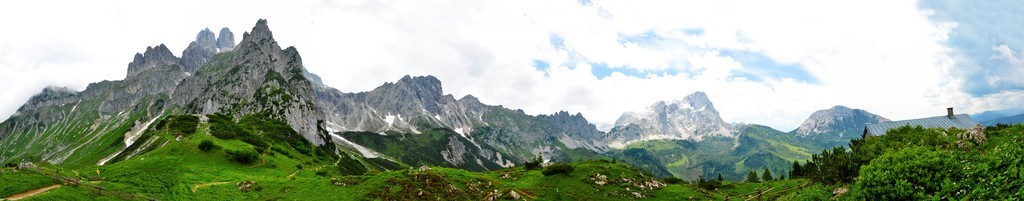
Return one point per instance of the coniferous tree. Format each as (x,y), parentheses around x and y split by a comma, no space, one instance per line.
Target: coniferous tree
(752,177)
(766,175)
(720,177)
(797,170)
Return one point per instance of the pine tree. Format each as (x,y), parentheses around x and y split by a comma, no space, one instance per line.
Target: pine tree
(752,177)
(767,175)
(720,177)
(797,170)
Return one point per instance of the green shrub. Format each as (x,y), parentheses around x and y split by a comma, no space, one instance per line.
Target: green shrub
(245,156)
(558,168)
(709,184)
(207,145)
(673,180)
(184,125)
(534,164)
(224,127)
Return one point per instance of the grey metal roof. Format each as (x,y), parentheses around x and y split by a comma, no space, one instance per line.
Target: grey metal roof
(961,121)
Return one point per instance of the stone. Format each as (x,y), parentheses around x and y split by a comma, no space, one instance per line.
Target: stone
(225,40)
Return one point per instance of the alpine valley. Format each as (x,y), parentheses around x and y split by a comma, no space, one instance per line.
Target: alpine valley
(247,121)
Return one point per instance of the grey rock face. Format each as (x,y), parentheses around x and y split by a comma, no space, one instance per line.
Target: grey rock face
(256,78)
(204,47)
(206,38)
(418,103)
(693,117)
(225,40)
(404,106)
(153,57)
(837,119)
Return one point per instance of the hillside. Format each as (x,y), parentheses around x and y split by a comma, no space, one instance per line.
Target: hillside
(915,163)
(754,149)
(259,164)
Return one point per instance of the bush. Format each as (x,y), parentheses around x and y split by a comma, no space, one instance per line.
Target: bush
(534,164)
(207,145)
(246,156)
(709,184)
(184,125)
(224,127)
(673,180)
(559,168)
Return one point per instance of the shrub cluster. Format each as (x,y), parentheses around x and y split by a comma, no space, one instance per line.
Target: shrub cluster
(245,156)
(559,168)
(533,164)
(207,145)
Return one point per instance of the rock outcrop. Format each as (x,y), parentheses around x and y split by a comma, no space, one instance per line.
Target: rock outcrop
(225,40)
(153,57)
(204,47)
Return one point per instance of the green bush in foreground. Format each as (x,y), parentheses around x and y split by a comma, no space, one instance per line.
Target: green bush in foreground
(207,145)
(558,168)
(245,156)
(533,164)
(673,180)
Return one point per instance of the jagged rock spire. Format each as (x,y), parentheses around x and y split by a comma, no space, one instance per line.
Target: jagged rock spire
(153,57)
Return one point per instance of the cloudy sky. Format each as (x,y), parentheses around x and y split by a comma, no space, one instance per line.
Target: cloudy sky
(764,62)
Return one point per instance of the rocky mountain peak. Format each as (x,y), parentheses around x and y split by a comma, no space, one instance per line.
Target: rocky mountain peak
(153,57)
(198,51)
(837,119)
(422,85)
(225,40)
(206,38)
(263,79)
(692,117)
(257,41)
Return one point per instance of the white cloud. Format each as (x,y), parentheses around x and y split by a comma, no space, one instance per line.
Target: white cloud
(883,56)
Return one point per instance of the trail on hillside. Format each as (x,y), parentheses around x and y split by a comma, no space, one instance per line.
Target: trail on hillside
(31,192)
(197,186)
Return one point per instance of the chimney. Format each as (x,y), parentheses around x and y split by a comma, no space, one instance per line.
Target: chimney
(949,112)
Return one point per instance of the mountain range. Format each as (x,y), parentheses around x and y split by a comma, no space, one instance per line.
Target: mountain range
(257,95)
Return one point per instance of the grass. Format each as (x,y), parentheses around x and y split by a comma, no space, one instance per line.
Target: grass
(21,181)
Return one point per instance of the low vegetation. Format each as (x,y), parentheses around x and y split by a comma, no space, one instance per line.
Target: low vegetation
(915,163)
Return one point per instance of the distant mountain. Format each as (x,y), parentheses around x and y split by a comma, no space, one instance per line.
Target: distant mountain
(836,126)
(1015,119)
(996,114)
(837,119)
(414,105)
(693,117)
(688,139)
(753,148)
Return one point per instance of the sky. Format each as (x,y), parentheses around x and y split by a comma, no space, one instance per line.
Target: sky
(763,62)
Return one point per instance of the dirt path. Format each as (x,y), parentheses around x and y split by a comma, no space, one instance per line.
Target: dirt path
(197,186)
(31,192)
